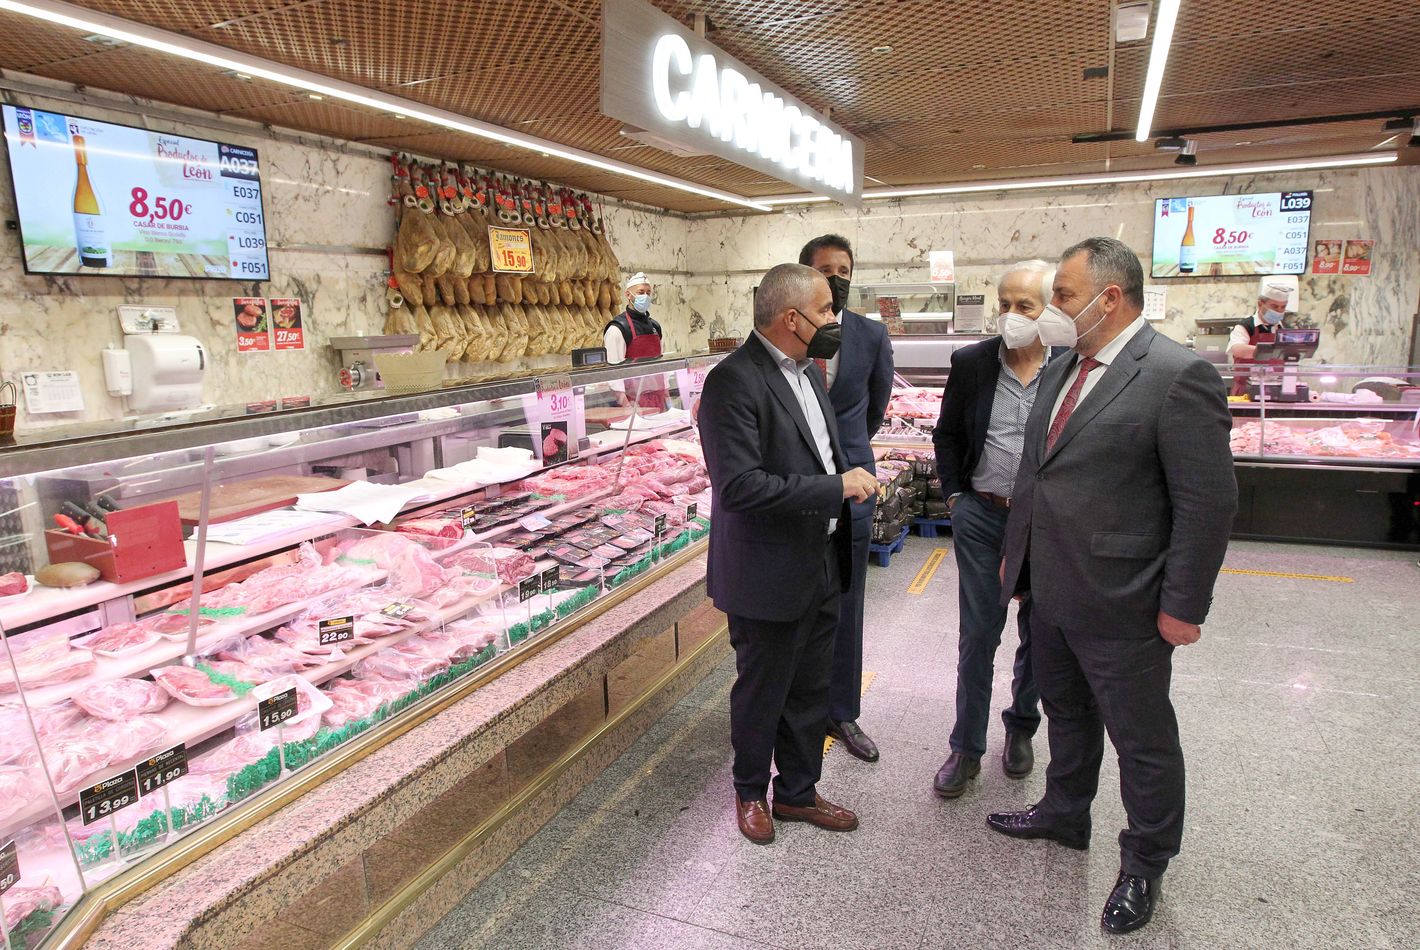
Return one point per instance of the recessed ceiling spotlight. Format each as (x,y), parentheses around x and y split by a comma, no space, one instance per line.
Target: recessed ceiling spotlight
(882,49)
(1189,155)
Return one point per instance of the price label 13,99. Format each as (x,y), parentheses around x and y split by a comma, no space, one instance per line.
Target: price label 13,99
(111,795)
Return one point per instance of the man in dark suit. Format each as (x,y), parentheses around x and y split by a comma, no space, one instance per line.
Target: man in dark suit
(979,439)
(780,545)
(860,388)
(1120,521)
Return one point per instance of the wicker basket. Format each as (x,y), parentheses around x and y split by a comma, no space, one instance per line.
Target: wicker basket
(411,372)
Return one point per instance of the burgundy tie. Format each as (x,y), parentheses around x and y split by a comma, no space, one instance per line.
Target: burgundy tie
(822,368)
(1068,406)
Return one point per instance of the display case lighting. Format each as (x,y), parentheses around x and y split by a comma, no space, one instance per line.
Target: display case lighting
(93,22)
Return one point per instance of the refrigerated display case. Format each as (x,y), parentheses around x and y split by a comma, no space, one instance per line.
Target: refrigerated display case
(272,586)
(1341,467)
(922,350)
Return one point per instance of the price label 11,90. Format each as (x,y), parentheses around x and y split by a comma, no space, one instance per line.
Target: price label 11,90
(276,710)
(9,867)
(335,630)
(162,768)
(111,795)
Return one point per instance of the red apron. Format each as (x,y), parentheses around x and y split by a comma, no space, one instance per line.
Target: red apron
(1260,334)
(642,346)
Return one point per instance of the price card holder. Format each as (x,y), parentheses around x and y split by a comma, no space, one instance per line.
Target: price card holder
(397,610)
(112,795)
(556,401)
(691,382)
(161,769)
(550,579)
(691,510)
(528,588)
(335,630)
(660,532)
(9,867)
(469,517)
(534,523)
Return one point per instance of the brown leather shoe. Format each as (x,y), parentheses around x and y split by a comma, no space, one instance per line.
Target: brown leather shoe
(755,823)
(822,813)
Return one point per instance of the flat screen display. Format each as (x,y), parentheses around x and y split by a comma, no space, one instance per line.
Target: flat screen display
(98,198)
(1232,235)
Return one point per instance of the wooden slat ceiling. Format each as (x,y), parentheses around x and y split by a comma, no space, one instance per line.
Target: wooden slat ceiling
(970,90)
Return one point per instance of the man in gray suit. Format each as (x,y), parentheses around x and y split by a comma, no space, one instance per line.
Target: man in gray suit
(1120,519)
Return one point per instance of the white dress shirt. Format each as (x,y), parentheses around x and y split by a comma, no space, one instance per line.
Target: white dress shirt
(1107,355)
(794,371)
(615,342)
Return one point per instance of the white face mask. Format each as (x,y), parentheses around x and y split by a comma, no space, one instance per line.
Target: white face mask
(1057,328)
(1018,330)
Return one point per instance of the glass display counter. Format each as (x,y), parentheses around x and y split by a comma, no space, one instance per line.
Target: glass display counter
(195,614)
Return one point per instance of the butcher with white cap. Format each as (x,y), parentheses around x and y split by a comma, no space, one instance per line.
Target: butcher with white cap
(633,335)
(1261,327)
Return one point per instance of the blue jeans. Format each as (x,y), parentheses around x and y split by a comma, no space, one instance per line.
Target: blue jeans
(978,530)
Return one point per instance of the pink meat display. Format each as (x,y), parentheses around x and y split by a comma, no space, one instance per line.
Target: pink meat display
(1357,438)
(414,572)
(353,699)
(121,699)
(13,583)
(271,658)
(284,584)
(19,785)
(22,901)
(122,638)
(573,481)
(45,663)
(448,526)
(174,624)
(192,686)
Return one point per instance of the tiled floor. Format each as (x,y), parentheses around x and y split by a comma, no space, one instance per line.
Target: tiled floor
(1298,712)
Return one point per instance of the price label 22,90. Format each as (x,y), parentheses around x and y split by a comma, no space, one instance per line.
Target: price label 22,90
(162,768)
(335,630)
(114,794)
(9,867)
(276,710)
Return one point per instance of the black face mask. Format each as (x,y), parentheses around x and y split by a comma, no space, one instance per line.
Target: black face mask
(824,344)
(839,286)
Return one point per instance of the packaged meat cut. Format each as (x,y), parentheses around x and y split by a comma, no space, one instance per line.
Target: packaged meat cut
(20,786)
(191,686)
(121,699)
(23,900)
(174,625)
(122,638)
(13,584)
(45,663)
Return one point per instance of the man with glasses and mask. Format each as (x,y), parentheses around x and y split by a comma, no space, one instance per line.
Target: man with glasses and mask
(859,380)
(780,554)
(1119,523)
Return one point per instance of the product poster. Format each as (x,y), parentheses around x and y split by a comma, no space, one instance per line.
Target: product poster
(287,323)
(98,198)
(1326,257)
(1232,235)
(971,314)
(252,324)
(1357,260)
(943,269)
(554,443)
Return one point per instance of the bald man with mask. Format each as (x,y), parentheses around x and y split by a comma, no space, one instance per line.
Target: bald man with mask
(780,546)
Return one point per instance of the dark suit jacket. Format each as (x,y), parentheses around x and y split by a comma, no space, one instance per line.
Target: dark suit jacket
(960,434)
(862,387)
(1130,512)
(772,499)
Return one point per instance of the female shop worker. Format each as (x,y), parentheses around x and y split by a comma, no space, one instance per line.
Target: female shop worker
(634,335)
(979,439)
(1257,329)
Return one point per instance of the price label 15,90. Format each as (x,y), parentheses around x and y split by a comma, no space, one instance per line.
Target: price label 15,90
(9,867)
(114,794)
(335,630)
(511,250)
(162,768)
(276,710)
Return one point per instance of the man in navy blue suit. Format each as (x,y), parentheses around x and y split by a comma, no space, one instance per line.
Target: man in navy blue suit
(859,381)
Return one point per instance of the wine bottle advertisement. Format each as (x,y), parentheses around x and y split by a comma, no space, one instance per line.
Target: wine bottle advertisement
(1232,235)
(99,198)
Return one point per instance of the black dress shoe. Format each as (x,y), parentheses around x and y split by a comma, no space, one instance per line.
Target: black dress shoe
(955,773)
(1030,824)
(1131,904)
(855,740)
(1018,758)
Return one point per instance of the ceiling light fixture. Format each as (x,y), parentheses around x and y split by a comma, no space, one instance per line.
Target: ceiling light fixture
(1188,157)
(882,49)
(175,44)
(1105,178)
(1158,59)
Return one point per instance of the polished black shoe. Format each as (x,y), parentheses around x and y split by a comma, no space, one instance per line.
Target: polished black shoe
(955,773)
(1018,758)
(1131,904)
(1030,824)
(855,740)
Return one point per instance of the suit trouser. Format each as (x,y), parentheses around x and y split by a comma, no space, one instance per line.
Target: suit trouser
(779,703)
(845,689)
(978,530)
(1090,684)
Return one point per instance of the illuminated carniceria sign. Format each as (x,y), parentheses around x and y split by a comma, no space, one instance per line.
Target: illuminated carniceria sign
(659,76)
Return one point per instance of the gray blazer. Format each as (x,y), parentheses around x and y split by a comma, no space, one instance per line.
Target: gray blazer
(1130,512)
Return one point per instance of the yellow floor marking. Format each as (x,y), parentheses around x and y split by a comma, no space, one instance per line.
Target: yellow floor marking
(1301,577)
(868,677)
(924,576)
